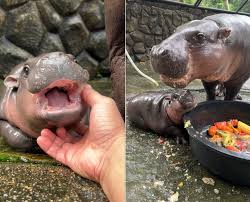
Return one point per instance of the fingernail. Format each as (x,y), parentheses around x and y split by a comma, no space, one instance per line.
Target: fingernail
(87,86)
(43,131)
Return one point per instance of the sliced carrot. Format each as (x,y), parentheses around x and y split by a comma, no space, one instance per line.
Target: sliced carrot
(232,148)
(220,125)
(228,129)
(212,130)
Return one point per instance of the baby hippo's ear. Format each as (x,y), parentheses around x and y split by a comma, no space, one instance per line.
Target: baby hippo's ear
(86,74)
(11,81)
(224,33)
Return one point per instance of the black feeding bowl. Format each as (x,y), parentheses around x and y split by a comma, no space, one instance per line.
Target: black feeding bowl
(232,166)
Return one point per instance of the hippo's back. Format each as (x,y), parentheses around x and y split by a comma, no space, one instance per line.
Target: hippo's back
(230,20)
(147,110)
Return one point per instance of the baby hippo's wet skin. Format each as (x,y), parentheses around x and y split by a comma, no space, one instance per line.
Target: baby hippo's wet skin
(161,112)
(43,92)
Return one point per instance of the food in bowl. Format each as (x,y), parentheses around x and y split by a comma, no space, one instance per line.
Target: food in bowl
(234,135)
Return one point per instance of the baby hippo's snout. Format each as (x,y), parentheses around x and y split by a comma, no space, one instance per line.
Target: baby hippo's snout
(52,67)
(168,61)
(187,100)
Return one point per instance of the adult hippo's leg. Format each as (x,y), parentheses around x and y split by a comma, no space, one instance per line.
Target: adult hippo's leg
(15,137)
(232,90)
(210,88)
(115,30)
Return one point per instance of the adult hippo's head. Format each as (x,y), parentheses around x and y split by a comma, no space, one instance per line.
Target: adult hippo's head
(195,51)
(48,89)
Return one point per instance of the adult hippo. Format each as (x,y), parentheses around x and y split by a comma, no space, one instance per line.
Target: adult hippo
(161,112)
(43,92)
(215,49)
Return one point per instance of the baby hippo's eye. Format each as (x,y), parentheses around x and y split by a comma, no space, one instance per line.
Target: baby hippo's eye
(200,37)
(26,70)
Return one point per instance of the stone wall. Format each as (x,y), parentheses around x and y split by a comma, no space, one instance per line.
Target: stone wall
(150,22)
(31,27)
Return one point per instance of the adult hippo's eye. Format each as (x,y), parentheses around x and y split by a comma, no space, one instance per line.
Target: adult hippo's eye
(26,70)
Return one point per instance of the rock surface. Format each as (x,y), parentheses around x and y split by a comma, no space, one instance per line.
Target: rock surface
(150,22)
(97,45)
(11,3)
(50,17)
(74,34)
(51,43)
(24,27)
(92,13)
(10,55)
(66,7)
(87,62)
(39,26)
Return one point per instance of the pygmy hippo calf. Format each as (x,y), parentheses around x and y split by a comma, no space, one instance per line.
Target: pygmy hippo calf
(43,92)
(214,49)
(161,112)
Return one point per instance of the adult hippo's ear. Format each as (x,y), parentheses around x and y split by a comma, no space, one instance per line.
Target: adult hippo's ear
(12,81)
(224,33)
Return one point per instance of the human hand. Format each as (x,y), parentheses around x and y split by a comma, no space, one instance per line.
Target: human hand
(90,155)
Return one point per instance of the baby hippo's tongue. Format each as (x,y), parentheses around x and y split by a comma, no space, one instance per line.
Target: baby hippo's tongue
(57,97)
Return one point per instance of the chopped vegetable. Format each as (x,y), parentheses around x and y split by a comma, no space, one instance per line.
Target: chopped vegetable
(232,148)
(244,127)
(187,124)
(234,135)
(221,125)
(212,130)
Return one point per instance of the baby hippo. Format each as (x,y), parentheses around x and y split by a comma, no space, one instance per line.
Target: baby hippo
(43,92)
(161,112)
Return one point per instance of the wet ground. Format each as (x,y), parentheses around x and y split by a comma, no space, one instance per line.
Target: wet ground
(167,171)
(36,177)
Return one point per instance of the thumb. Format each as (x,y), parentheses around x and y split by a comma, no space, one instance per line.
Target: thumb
(90,96)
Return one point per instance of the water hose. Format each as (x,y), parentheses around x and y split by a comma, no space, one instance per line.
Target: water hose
(139,71)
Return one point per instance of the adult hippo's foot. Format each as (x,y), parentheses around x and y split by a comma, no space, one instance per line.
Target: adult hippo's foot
(118,82)
(15,137)
(115,30)
(220,91)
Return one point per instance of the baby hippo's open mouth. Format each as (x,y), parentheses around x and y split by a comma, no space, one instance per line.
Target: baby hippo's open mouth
(57,97)
(60,103)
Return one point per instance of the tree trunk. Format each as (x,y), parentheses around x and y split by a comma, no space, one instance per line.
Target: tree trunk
(226,5)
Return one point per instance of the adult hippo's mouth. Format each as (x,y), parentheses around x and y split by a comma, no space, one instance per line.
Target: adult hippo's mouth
(60,103)
(176,82)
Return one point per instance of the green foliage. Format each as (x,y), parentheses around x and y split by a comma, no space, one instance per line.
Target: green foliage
(219,4)
(246,8)
(189,1)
